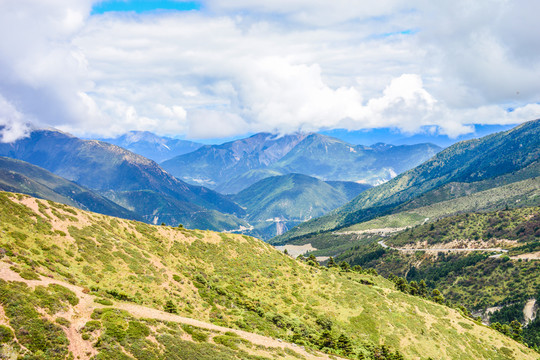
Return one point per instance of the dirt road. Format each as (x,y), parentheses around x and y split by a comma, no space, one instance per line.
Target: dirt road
(81,314)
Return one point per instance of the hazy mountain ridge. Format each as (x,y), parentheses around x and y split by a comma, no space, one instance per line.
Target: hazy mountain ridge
(281,202)
(22,177)
(233,166)
(469,161)
(152,146)
(116,172)
(212,165)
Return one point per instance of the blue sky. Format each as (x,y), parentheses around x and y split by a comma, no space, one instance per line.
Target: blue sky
(223,69)
(140,6)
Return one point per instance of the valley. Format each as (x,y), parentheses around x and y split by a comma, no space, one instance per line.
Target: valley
(474,244)
(269,180)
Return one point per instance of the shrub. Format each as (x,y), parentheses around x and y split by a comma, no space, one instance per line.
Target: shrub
(170,307)
(6,334)
(62,321)
(105,302)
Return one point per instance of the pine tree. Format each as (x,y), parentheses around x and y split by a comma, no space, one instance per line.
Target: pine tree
(516,330)
(422,288)
(331,262)
(344,343)
(437,296)
(170,307)
(344,266)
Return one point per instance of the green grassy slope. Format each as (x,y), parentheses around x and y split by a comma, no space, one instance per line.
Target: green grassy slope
(472,279)
(229,280)
(470,161)
(518,194)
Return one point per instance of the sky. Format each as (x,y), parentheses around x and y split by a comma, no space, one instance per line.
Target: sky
(215,69)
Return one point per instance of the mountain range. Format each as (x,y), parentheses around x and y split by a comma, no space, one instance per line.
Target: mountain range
(130,180)
(462,169)
(278,203)
(152,146)
(233,166)
(141,189)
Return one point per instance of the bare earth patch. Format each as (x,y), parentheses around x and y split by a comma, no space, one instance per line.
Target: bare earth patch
(295,250)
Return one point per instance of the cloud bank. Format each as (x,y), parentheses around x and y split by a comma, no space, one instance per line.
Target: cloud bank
(238,66)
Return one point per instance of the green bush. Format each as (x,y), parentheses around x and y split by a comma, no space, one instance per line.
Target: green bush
(105,302)
(6,334)
(62,321)
(92,326)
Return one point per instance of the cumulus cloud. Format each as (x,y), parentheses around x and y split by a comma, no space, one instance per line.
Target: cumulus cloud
(12,123)
(239,66)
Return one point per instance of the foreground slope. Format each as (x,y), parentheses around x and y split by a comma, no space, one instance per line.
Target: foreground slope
(123,177)
(230,280)
(490,157)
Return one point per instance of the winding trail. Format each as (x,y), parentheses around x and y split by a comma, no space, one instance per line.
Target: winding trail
(80,314)
(443,249)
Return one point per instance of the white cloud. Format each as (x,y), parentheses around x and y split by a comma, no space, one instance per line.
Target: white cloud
(12,123)
(243,66)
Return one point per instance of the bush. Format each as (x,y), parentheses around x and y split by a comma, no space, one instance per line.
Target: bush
(105,302)
(199,336)
(62,321)
(6,334)
(170,307)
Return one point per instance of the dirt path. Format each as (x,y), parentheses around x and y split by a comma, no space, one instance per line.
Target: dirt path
(81,314)
(381,231)
(529,311)
(440,249)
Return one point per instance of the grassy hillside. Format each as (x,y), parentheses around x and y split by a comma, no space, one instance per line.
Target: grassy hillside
(518,194)
(485,159)
(476,280)
(229,280)
(520,226)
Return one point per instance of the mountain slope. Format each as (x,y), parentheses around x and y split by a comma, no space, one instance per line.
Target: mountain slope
(230,280)
(440,253)
(110,169)
(468,162)
(281,202)
(22,177)
(332,159)
(213,165)
(152,146)
(233,166)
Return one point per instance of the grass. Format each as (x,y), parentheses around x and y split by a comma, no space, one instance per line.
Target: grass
(231,280)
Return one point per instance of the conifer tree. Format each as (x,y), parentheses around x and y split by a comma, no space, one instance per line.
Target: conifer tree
(344,344)
(331,262)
